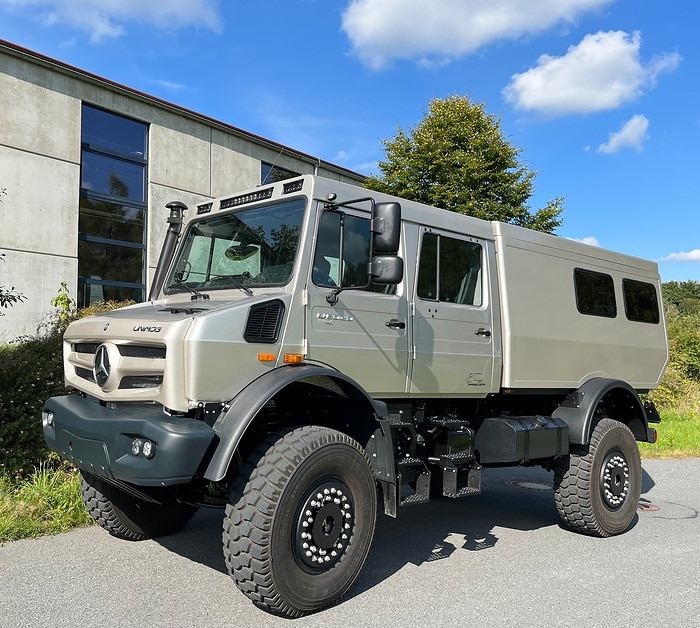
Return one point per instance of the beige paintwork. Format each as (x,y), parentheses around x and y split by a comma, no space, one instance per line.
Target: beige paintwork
(530,334)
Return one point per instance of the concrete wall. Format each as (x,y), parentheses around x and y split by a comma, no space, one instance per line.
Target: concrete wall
(40,173)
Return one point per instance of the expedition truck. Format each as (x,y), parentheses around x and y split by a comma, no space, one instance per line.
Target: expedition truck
(311,351)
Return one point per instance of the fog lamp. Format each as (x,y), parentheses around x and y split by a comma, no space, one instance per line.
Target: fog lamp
(49,418)
(136,445)
(148,449)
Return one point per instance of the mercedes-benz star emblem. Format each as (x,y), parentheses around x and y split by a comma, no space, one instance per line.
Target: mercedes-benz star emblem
(101,368)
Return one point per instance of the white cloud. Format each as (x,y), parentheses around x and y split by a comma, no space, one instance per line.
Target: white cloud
(690,256)
(170,85)
(105,19)
(587,240)
(382,31)
(631,135)
(601,72)
(371,167)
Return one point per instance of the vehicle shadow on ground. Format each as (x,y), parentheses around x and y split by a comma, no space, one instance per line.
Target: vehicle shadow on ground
(515,498)
(200,540)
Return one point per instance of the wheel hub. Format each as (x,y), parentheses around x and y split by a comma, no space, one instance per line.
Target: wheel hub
(615,480)
(324,526)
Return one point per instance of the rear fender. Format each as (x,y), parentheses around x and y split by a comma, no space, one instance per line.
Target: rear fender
(621,403)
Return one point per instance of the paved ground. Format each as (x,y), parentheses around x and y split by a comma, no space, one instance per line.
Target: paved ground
(497,559)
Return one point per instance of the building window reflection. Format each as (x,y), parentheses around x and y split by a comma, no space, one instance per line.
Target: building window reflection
(113,203)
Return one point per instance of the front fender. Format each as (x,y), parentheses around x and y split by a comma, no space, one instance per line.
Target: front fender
(240,412)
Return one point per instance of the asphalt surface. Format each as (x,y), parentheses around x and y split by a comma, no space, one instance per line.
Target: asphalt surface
(496,559)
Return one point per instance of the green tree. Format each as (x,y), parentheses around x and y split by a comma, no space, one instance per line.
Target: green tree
(683,295)
(457,159)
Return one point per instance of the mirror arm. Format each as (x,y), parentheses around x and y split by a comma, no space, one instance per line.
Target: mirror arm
(332,297)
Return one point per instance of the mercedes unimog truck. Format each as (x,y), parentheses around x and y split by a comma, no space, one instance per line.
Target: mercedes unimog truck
(312,351)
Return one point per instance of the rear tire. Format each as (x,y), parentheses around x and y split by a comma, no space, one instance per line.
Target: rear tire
(300,520)
(597,488)
(128,517)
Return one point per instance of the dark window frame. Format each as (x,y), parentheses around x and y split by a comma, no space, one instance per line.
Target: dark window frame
(138,158)
(436,266)
(270,173)
(595,285)
(352,276)
(633,306)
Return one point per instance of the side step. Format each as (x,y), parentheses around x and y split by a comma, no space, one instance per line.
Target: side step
(461,474)
(460,477)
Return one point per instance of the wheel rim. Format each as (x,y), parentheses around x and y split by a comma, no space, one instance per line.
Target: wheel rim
(324,526)
(615,479)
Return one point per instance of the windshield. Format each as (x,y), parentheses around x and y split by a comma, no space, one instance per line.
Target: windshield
(250,248)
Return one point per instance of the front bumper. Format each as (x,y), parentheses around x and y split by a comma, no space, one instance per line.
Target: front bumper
(99,440)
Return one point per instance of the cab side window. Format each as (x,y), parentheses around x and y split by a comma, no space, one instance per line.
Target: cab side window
(449,270)
(342,253)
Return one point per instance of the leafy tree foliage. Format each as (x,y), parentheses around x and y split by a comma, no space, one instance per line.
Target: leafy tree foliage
(457,159)
(682,295)
(680,386)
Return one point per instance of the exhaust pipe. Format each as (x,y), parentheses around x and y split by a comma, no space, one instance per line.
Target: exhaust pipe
(177,209)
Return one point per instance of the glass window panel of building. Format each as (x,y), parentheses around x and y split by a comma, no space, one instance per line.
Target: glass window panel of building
(113,203)
(270,173)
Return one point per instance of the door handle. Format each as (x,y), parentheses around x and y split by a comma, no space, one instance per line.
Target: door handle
(486,333)
(395,323)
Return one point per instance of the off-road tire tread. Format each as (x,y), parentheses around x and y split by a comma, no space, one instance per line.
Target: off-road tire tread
(573,483)
(99,499)
(251,509)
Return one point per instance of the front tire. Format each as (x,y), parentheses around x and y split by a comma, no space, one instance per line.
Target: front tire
(597,488)
(128,517)
(300,520)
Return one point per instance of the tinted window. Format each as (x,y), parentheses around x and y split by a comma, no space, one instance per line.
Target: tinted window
(449,270)
(641,301)
(113,177)
(272,174)
(108,132)
(595,293)
(342,251)
(112,216)
(102,219)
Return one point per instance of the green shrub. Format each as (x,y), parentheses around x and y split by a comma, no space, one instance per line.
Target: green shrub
(31,371)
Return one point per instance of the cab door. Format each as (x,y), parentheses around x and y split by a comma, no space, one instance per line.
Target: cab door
(452,322)
(364,334)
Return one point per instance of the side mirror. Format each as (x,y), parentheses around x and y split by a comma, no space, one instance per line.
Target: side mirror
(386,228)
(386,269)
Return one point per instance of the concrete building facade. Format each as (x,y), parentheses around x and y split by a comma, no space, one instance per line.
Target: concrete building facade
(86,168)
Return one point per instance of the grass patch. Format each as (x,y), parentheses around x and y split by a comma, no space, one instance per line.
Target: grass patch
(679,436)
(47,502)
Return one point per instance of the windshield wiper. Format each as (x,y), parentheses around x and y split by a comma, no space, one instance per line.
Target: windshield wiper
(196,294)
(235,283)
(243,287)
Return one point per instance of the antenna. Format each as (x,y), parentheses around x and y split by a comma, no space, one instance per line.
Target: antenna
(272,166)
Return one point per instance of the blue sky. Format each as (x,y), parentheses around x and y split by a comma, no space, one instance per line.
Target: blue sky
(600,95)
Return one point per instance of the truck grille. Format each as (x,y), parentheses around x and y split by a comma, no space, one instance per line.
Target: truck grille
(137,376)
(264,322)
